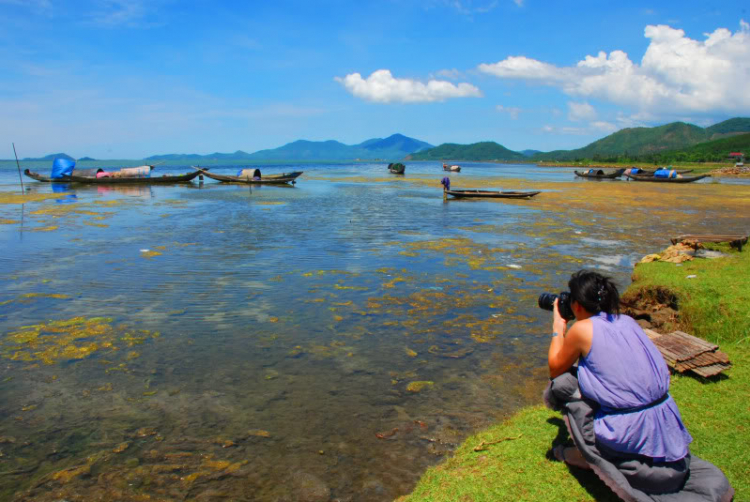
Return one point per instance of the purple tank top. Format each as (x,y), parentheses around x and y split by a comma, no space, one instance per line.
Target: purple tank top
(624,370)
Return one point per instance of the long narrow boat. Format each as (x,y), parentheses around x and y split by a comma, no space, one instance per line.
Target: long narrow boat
(454,168)
(166,178)
(598,174)
(688,179)
(266,179)
(490,194)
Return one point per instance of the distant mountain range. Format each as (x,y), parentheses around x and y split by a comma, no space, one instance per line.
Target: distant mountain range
(394,147)
(631,142)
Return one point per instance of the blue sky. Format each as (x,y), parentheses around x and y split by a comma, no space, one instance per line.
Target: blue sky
(133,78)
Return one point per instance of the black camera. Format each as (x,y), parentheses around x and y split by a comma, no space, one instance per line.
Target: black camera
(547,302)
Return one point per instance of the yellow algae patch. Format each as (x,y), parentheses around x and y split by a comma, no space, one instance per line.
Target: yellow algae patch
(66,475)
(418,386)
(259,433)
(452,354)
(3,221)
(270,203)
(160,248)
(410,352)
(150,254)
(338,318)
(50,228)
(482,338)
(121,447)
(353,288)
(307,274)
(110,203)
(92,224)
(392,283)
(344,304)
(29,296)
(14,198)
(56,341)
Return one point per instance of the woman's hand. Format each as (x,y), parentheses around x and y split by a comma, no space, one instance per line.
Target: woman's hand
(559,325)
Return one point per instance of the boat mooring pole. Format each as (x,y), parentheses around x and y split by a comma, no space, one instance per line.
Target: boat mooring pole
(19,167)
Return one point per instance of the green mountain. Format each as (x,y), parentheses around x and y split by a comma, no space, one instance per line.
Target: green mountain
(732,126)
(649,141)
(486,150)
(717,150)
(394,147)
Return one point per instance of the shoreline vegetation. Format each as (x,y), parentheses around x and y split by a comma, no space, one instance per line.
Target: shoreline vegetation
(512,460)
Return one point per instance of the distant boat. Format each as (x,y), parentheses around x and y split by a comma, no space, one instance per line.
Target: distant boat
(252,177)
(490,194)
(599,174)
(396,168)
(453,168)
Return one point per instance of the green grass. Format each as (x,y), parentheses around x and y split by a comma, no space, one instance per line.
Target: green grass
(714,305)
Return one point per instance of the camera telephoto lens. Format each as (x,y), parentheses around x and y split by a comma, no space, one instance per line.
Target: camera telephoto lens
(547,302)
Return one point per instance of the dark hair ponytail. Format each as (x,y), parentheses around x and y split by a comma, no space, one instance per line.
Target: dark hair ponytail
(594,292)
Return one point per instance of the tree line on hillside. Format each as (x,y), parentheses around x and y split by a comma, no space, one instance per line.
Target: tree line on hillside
(710,151)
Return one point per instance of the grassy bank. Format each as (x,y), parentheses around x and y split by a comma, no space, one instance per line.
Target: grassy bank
(713,305)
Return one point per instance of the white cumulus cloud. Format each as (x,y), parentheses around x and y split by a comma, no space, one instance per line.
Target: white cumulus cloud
(580,111)
(382,87)
(676,74)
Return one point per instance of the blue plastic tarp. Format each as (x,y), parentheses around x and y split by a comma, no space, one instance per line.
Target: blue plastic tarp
(61,168)
(665,173)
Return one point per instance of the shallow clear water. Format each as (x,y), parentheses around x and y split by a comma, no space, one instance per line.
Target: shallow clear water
(332,339)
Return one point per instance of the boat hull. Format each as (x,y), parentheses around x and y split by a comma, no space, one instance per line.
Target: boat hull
(271,179)
(604,176)
(654,179)
(490,194)
(166,178)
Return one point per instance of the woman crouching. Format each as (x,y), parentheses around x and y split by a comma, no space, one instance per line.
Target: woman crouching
(638,443)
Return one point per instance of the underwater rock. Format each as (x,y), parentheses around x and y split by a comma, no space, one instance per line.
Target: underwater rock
(309,488)
(374,489)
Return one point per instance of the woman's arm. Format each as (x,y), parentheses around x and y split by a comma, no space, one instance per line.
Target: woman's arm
(568,345)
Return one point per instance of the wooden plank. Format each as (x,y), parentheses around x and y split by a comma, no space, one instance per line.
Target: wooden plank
(695,340)
(680,348)
(709,371)
(683,352)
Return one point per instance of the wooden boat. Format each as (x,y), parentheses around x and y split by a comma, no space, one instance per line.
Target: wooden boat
(688,179)
(453,168)
(396,168)
(265,179)
(490,194)
(598,174)
(166,178)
